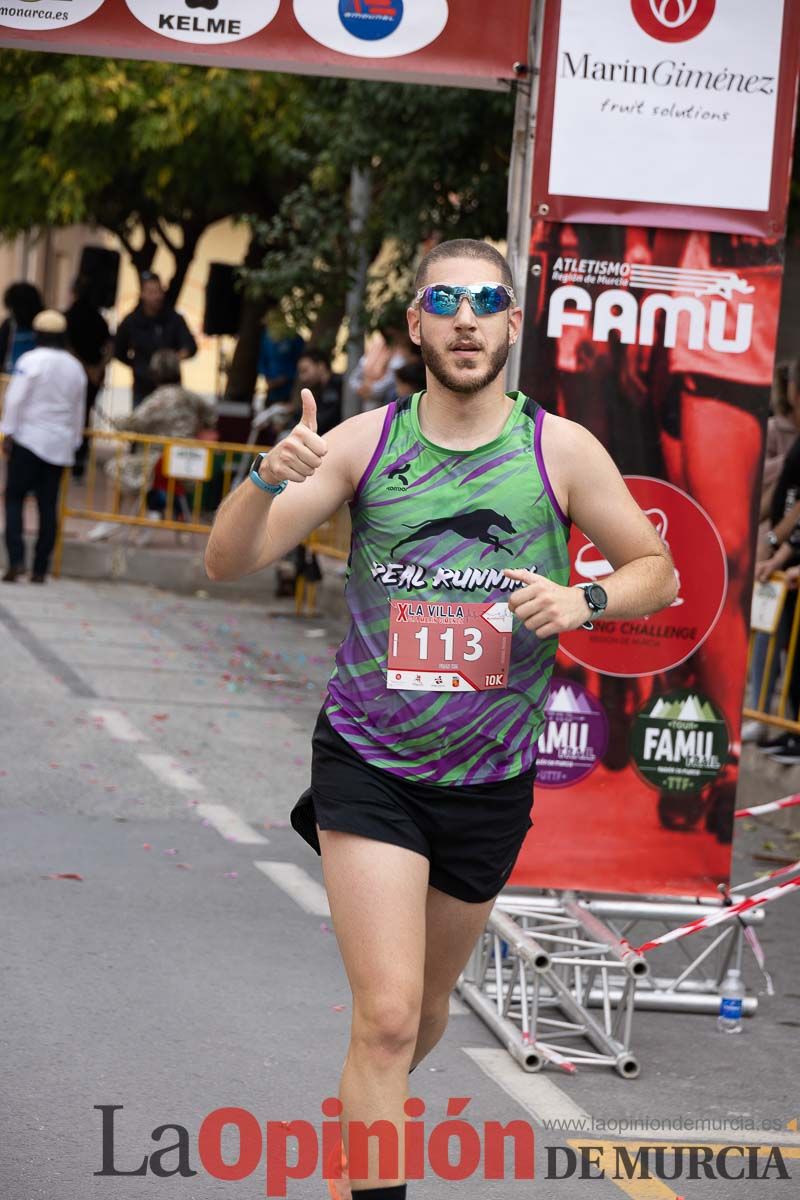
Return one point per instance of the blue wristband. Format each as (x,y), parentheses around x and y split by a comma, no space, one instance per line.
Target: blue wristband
(273,488)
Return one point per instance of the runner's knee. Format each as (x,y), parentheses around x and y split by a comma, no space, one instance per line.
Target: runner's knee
(386,1025)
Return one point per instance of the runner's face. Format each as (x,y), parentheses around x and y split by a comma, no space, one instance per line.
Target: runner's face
(463,352)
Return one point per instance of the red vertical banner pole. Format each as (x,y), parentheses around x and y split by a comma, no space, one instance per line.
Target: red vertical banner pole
(661,340)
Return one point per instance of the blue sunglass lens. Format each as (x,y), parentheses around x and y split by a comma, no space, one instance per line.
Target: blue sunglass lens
(444,301)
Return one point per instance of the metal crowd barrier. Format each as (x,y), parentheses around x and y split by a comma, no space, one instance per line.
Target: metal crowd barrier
(199,474)
(764,668)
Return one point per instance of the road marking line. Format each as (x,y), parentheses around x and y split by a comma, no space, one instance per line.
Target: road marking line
(170,772)
(298,884)
(539,1095)
(118,725)
(230,824)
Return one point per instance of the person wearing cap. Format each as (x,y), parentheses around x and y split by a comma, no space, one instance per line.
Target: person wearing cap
(153,325)
(42,427)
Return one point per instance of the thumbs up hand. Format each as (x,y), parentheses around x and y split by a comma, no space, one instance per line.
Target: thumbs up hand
(300,454)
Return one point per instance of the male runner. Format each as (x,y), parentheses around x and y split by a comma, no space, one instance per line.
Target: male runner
(421,787)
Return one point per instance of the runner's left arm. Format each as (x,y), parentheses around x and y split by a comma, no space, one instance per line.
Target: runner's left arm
(597,499)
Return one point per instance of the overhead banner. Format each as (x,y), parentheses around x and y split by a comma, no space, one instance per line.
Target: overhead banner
(661,342)
(676,113)
(410,41)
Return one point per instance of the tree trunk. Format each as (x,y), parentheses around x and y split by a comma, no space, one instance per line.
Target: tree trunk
(142,258)
(243,374)
(360,203)
(183,255)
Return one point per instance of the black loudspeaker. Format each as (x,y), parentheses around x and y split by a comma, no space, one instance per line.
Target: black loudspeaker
(223,301)
(101,267)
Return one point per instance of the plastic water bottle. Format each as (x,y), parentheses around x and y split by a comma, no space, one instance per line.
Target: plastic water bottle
(731,1002)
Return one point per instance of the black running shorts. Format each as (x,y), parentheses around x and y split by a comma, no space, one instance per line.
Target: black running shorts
(470,835)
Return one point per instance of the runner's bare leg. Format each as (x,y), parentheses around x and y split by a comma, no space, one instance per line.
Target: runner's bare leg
(378,895)
(451,929)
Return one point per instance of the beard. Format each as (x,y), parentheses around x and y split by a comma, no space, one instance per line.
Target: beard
(464,383)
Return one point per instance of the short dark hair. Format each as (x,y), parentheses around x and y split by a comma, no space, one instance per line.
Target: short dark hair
(24,301)
(165,367)
(51,341)
(150,277)
(316,355)
(463,248)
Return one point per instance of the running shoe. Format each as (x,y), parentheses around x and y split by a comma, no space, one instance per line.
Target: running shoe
(789,754)
(777,745)
(339,1189)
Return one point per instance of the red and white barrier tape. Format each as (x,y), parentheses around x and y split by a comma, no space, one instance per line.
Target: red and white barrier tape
(773,806)
(551,1055)
(724,914)
(742,887)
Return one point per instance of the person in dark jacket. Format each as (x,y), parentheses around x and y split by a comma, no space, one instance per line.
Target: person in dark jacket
(152,326)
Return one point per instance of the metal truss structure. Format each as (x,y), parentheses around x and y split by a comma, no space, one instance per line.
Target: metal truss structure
(545,960)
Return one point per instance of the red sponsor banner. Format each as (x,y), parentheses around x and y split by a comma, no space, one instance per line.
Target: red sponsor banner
(675,113)
(423,41)
(661,342)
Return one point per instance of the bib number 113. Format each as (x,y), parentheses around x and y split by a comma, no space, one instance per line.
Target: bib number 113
(473,650)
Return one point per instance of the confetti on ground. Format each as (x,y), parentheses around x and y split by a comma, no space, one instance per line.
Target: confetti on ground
(338,1007)
(146,846)
(184,866)
(231,874)
(170,851)
(325,927)
(64,875)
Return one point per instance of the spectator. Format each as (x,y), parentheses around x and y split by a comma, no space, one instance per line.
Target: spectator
(278,357)
(373,378)
(16,333)
(152,326)
(170,411)
(779,550)
(89,340)
(782,432)
(314,371)
(43,424)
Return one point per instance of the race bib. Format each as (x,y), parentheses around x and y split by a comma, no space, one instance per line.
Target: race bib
(437,647)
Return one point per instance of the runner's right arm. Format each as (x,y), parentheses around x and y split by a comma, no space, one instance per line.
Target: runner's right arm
(253,529)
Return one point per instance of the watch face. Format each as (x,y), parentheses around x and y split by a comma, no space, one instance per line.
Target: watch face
(597,595)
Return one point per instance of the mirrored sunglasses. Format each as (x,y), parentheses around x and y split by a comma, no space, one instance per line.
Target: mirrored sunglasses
(486,299)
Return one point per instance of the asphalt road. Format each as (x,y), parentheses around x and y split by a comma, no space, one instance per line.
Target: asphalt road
(143,736)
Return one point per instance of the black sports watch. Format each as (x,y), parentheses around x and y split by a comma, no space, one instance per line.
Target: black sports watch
(596,598)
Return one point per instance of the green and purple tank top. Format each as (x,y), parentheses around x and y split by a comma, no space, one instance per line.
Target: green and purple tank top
(432,524)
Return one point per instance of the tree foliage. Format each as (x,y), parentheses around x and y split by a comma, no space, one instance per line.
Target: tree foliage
(438,160)
(142,145)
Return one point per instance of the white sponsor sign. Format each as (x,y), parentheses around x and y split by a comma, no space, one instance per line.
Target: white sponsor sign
(205,22)
(373,28)
(768,598)
(667,101)
(46,14)
(187,462)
